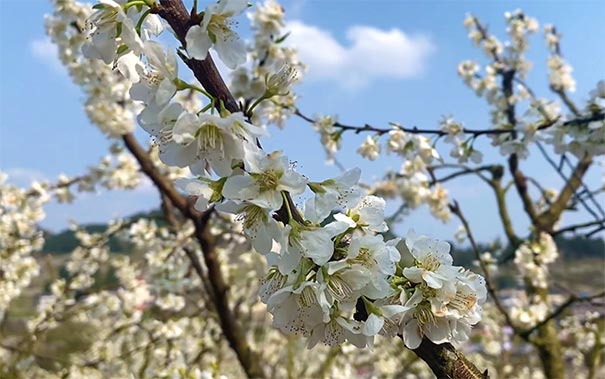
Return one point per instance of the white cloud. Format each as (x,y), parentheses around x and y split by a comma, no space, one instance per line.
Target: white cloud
(44,50)
(371,54)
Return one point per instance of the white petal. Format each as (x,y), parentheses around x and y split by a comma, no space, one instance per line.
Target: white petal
(185,129)
(240,187)
(231,49)
(290,260)
(198,42)
(346,219)
(174,154)
(389,311)
(130,66)
(411,334)
(432,280)
(165,92)
(153,24)
(373,325)
(413,273)
(229,8)
(293,182)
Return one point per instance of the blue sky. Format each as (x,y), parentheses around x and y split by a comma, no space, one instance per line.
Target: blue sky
(408,75)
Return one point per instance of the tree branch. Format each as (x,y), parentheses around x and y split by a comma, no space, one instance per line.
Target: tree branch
(573,228)
(550,217)
(439,133)
(447,362)
(249,359)
(558,169)
(462,172)
(500,193)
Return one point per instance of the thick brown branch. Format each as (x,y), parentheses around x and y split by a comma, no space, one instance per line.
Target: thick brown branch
(550,217)
(167,210)
(233,332)
(447,362)
(151,171)
(500,193)
(175,13)
(520,182)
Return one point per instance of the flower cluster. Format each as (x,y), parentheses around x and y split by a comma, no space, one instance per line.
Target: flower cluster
(563,133)
(462,148)
(330,137)
(528,312)
(411,183)
(328,271)
(106,90)
(559,71)
(532,258)
(587,138)
(443,301)
(19,238)
(583,336)
(274,68)
(330,265)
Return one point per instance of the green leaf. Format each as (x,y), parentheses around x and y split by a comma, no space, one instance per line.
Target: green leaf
(282,38)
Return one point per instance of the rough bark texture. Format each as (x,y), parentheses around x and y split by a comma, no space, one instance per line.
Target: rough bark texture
(249,359)
(447,362)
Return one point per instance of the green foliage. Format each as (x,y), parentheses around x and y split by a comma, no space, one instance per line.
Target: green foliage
(65,241)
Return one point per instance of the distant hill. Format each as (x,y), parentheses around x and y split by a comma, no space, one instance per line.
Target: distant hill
(65,241)
(571,248)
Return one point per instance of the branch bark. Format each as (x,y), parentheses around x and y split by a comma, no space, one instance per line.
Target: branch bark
(249,360)
(547,342)
(447,362)
(550,217)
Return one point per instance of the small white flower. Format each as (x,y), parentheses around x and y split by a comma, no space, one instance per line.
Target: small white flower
(296,309)
(103,39)
(338,330)
(157,86)
(259,226)
(268,175)
(370,148)
(368,214)
(204,141)
(338,192)
(203,188)
(280,82)
(371,254)
(316,242)
(215,30)
(433,261)
(376,322)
